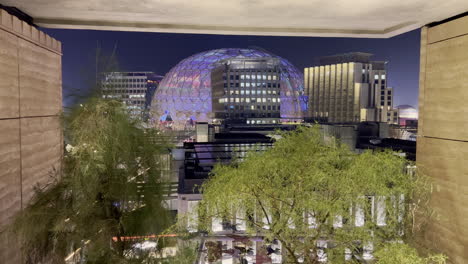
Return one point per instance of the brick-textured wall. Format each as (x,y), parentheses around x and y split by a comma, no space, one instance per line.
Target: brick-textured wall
(30,133)
(442,149)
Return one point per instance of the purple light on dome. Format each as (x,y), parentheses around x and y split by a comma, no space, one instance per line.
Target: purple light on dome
(185,91)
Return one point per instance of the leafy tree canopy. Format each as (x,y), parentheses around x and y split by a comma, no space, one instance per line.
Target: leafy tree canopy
(304,191)
(110,187)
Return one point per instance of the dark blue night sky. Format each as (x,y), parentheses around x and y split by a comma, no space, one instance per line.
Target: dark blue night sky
(159,52)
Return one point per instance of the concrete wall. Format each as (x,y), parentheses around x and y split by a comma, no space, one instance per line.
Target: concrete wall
(442,150)
(30,133)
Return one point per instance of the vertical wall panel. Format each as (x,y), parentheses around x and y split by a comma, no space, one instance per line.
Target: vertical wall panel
(39,79)
(9,93)
(30,133)
(442,149)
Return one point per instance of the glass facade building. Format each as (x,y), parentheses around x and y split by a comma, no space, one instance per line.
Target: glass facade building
(186,92)
(134,89)
(247,91)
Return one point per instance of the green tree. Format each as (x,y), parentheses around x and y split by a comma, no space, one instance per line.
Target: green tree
(304,191)
(403,254)
(110,187)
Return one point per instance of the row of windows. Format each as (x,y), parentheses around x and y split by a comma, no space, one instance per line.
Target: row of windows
(264,85)
(253,107)
(248,92)
(126,85)
(132,91)
(249,100)
(136,96)
(382,103)
(382,77)
(389,92)
(251,77)
(136,102)
(252,115)
(117,80)
(261,122)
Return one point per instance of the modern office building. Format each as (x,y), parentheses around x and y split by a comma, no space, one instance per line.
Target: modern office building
(186,92)
(349,88)
(247,91)
(135,89)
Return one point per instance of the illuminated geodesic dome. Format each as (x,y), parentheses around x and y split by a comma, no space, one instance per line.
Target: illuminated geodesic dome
(407,111)
(185,91)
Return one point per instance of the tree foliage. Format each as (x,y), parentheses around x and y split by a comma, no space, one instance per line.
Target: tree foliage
(304,191)
(403,254)
(110,187)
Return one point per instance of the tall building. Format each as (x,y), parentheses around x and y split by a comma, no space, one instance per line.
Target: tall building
(247,90)
(186,92)
(135,89)
(349,88)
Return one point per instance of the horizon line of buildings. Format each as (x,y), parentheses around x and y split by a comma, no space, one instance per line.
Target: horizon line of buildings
(253,87)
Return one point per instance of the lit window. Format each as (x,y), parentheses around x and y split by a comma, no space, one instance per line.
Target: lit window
(264,77)
(382,77)
(259,77)
(247,76)
(263,92)
(247,84)
(252,107)
(269,77)
(269,92)
(376,76)
(242,100)
(232,100)
(247,100)
(242,77)
(242,85)
(247,92)
(242,91)
(237,91)
(274,100)
(264,100)
(253,77)
(259,100)
(237,100)
(279,100)
(274,77)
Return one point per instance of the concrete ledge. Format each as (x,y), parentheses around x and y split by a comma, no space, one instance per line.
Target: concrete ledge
(451,29)
(27,32)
